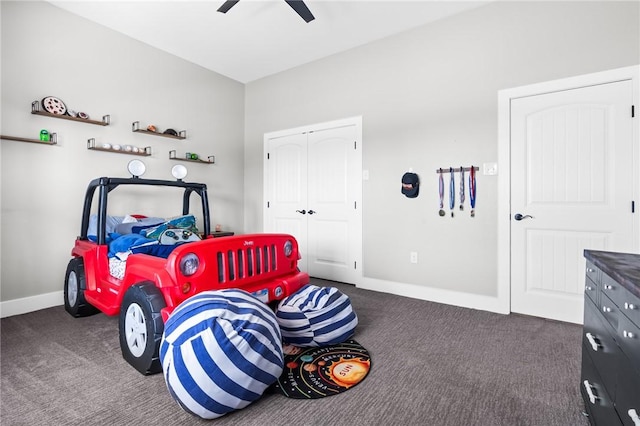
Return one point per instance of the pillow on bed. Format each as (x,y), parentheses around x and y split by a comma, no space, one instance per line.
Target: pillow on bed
(138,225)
(139,229)
(173,236)
(110,226)
(187,222)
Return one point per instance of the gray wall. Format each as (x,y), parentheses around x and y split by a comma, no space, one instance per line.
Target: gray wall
(428,98)
(49,52)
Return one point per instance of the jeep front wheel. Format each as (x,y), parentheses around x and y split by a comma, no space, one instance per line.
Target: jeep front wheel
(141,327)
(74,287)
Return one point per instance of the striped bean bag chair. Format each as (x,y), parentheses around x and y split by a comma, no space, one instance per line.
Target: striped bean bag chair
(220,351)
(316,316)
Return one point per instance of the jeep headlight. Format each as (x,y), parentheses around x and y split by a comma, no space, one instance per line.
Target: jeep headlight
(288,248)
(189,264)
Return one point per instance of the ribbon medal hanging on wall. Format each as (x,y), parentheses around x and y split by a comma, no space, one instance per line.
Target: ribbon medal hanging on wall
(441,192)
(452,190)
(461,188)
(472,190)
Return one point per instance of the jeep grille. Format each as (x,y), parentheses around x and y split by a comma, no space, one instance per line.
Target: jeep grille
(246,262)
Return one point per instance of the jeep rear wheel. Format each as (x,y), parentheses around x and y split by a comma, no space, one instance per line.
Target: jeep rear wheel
(141,327)
(74,287)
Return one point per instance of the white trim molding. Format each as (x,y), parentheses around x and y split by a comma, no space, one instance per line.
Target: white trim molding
(437,295)
(25,305)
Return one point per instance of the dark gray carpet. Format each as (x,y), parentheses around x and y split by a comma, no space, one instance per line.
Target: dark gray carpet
(432,364)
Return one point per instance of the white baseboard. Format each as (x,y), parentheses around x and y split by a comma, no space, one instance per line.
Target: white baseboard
(447,297)
(25,305)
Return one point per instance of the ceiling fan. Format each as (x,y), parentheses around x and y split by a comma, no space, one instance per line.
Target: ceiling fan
(297,5)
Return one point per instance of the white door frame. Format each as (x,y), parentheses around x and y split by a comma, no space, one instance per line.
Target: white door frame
(350,121)
(504,164)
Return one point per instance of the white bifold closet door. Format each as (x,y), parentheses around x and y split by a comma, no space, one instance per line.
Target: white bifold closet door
(313,190)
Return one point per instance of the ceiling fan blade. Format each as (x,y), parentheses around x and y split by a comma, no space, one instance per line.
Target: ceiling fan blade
(227,5)
(301,9)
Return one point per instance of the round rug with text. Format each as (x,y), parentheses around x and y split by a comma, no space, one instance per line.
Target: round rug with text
(311,373)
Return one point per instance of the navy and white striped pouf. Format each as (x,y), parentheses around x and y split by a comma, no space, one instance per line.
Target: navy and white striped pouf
(220,351)
(316,316)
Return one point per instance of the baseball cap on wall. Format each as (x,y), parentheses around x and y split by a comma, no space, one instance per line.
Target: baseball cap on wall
(410,185)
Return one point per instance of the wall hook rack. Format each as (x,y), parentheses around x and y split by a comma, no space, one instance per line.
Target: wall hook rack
(456,169)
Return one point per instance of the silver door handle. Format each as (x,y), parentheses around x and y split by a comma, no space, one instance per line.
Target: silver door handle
(592,340)
(587,387)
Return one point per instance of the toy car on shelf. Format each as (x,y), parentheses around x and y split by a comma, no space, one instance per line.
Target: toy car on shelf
(155,277)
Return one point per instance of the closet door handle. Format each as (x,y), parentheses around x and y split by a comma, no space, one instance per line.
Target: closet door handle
(312,212)
(303,211)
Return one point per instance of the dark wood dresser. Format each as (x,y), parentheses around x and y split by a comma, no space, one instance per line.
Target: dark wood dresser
(610,379)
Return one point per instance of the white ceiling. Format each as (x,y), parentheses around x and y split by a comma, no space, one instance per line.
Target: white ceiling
(257,38)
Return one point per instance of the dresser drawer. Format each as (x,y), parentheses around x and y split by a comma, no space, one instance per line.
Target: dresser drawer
(593,272)
(591,290)
(627,402)
(631,308)
(609,311)
(597,401)
(597,338)
(628,303)
(628,338)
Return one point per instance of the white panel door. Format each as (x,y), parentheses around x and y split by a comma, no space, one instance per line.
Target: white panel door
(286,174)
(313,189)
(333,220)
(571,180)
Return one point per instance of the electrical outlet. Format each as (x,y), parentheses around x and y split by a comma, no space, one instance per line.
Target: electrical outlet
(413,257)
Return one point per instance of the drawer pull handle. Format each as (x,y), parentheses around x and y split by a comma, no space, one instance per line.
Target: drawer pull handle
(606,309)
(593,342)
(629,306)
(587,387)
(634,416)
(628,334)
